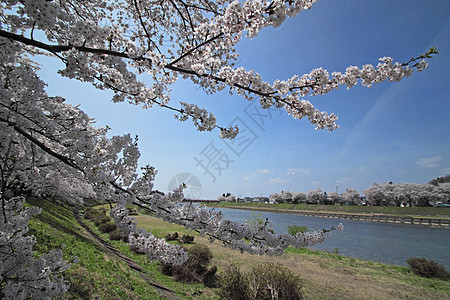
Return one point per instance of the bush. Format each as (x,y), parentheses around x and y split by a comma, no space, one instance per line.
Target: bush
(186,239)
(115,235)
(101,220)
(132,211)
(294,229)
(107,227)
(195,269)
(233,284)
(428,268)
(270,280)
(171,237)
(263,281)
(87,215)
(80,288)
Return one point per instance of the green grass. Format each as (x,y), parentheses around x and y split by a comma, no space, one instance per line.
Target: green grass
(440,212)
(98,272)
(186,291)
(376,269)
(325,275)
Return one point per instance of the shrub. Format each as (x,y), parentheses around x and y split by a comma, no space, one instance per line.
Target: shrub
(273,281)
(107,227)
(166,269)
(294,229)
(233,284)
(101,220)
(98,216)
(171,237)
(115,235)
(263,281)
(428,268)
(186,239)
(132,211)
(80,288)
(87,215)
(195,269)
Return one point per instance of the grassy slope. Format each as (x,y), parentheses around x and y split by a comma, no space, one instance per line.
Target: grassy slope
(97,272)
(438,212)
(326,276)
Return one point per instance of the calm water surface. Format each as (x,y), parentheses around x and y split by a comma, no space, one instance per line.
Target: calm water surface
(381,242)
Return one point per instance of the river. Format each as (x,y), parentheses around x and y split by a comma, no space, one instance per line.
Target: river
(381,242)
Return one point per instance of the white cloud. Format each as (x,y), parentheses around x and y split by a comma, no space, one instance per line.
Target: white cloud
(446,170)
(339,181)
(263,171)
(277,180)
(247,178)
(315,183)
(293,171)
(429,162)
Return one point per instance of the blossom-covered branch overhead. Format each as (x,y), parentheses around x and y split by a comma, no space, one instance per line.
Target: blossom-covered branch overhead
(110,44)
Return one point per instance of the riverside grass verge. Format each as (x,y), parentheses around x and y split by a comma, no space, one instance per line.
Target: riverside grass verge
(325,275)
(418,212)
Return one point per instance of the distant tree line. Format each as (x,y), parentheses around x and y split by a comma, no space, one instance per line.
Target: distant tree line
(317,196)
(228,197)
(439,180)
(379,194)
(407,194)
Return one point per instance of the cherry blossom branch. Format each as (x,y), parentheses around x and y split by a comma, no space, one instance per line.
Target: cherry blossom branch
(317,82)
(41,145)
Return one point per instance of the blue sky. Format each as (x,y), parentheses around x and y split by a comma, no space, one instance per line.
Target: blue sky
(391,132)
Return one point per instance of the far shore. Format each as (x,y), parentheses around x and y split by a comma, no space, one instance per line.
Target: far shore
(426,216)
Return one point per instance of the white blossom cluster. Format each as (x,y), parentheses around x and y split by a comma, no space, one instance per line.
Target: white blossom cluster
(111,43)
(21,275)
(201,118)
(144,242)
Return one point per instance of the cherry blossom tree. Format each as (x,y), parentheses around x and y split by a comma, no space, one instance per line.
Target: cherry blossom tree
(334,197)
(316,196)
(228,197)
(275,197)
(443,189)
(299,197)
(137,49)
(111,43)
(412,194)
(351,196)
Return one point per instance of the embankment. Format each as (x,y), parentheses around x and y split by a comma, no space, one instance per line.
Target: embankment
(424,221)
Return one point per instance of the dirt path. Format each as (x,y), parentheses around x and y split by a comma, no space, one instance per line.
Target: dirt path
(160,289)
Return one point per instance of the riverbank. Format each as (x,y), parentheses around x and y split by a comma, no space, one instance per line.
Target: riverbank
(100,273)
(425,216)
(324,275)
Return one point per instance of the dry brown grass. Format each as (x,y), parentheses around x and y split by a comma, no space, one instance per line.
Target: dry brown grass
(326,276)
